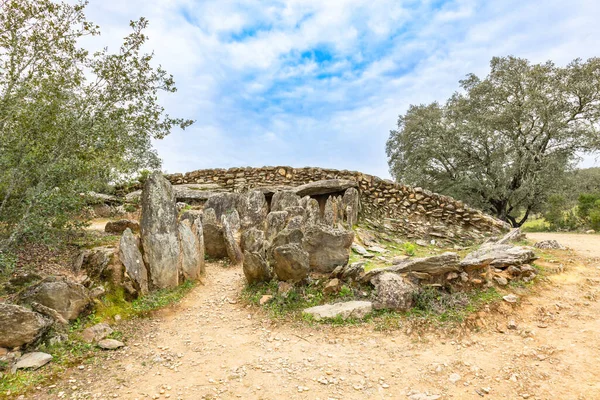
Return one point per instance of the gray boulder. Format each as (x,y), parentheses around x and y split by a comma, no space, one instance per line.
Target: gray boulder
(327,247)
(192,256)
(434,265)
(158,225)
(96,333)
(256,268)
(95,261)
(276,222)
(253,210)
(253,241)
(498,256)
(131,257)
(290,263)
(118,227)
(191,215)
(223,203)
(214,241)
(110,344)
(19,325)
(325,187)
(313,212)
(231,236)
(349,309)
(392,292)
(549,244)
(284,199)
(68,298)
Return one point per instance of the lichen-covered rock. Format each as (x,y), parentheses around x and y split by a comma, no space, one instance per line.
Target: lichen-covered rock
(160,241)
(19,325)
(191,215)
(392,292)
(131,257)
(349,309)
(95,261)
(231,236)
(498,256)
(276,222)
(313,212)
(284,199)
(350,204)
(326,186)
(118,227)
(549,244)
(192,256)
(327,247)
(214,242)
(290,263)
(256,268)
(253,210)
(96,333)
(68,298)
(253,241)
(223,203)
(434,265)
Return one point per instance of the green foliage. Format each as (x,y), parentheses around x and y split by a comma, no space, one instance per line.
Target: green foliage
(504,142)
(586,203)
(409,249)
(70,121)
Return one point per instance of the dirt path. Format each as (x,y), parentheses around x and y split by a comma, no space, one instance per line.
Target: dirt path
(584,245)
(211,346)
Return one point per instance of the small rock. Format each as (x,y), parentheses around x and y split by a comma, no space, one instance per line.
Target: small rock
(510,298)
(332,287)
(265,299)
(501,281)
(357,248)
(454,378)
(511,324)
(33,360)
(96,333)
(354,309)
(110,344)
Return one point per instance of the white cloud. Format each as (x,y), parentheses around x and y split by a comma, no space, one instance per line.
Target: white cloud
(240,73)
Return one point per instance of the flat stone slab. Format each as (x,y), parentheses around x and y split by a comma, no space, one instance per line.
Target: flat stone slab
(110,344)
(350,309)
(324,187)
(33,360)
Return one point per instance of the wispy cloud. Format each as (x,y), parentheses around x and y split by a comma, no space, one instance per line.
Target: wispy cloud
(321,83)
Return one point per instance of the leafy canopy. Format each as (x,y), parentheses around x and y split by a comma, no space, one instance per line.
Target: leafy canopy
(502,142)
(70,121)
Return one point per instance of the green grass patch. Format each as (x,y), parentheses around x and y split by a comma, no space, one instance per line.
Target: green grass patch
(536,225)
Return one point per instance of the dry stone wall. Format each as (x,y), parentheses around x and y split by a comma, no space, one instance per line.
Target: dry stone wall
(414,212)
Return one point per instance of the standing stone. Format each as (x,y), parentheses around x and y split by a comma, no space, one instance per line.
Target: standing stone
(276,222)
(283,199)
(198,230)
(192,261)
(253,241)
(160,241)
(329,213)
(291,263)
(191,215)
(350,204)
(19,326)
(213,235)
(256,268)
(392,292)
(253,210)
(223,203)
(231,235)
(328,247)
(313,212)
(131,258)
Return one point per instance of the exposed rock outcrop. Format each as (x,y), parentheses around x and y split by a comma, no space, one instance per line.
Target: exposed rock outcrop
(497,256)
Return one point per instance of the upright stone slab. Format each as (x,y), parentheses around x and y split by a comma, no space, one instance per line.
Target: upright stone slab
(328,247)
(192,261)
(214,242)
(253,210)
(350,203)
(276,222)
(131,258)
(283,199)
(256,269)
(159,232)
(231,236)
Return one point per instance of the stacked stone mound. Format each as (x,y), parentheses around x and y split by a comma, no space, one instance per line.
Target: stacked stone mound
(287,239)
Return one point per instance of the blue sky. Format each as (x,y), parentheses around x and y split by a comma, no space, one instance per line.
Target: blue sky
(321,83)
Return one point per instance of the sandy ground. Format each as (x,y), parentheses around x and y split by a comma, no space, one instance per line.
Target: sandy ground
(584,245)
(212,346)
